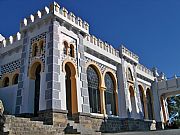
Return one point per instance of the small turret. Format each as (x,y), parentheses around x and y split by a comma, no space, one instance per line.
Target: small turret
(1,38)
(155,71)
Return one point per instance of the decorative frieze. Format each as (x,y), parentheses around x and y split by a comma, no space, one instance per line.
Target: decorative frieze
(10,67)
(101,66)
(41,53)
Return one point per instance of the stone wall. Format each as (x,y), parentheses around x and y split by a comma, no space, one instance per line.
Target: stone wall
(114,124)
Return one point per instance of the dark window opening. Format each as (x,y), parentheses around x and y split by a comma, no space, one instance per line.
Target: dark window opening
(93,89)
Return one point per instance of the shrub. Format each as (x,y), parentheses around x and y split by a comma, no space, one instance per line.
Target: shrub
(177,122)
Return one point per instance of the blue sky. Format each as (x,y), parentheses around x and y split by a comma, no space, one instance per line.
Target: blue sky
(149,28)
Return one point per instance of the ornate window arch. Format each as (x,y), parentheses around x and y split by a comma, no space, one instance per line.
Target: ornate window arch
(72,50)
(110,100)
(6,82)
(41,46)
(65,49)
(129,74)
(32,69)
(15,79)
(34,50)
(93,89)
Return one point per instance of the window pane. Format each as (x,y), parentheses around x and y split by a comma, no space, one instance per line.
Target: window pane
(93,89)
(109,95)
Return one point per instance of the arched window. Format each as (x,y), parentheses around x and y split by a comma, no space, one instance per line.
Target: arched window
(35,50)
(41,46)
(65,47)
(110,95)
(15,79)
(71,50)
(149,104)
(6,82)
(93,89)
(129,75)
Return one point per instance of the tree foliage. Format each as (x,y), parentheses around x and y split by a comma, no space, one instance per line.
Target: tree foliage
(173,105)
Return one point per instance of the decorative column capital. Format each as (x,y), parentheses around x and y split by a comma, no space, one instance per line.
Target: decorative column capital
(102,88)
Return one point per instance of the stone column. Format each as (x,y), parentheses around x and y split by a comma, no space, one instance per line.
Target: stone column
(53,90)
(163,109)
(122,91)
(145,108)
(83,76)
(102,99)
(157,105)
(22,75)
(137,96)
(74,95)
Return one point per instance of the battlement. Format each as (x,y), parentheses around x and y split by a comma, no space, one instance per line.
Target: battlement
(144,69)
(124,52)
(34,17)
(62,13)
(10,40)
(104,45)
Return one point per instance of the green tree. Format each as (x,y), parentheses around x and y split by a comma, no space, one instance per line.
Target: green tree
(173,105)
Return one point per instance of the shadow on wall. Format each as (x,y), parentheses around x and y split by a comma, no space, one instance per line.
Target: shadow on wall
(8,97)
(111,124)
(115,124)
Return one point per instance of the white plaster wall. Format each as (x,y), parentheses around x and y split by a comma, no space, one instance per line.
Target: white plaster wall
(128,65)
(100,61)
(42,101)
(101,51)
(122,105)
(28,90)
(70,37)
(30,97)
(9,58)
(63,91)
(8,96)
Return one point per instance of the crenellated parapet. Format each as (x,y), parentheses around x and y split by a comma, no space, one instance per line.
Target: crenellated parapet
(61,13)
(11,40)
(124,52)
(103,45)
(70,18)
(144,69)
(34,17)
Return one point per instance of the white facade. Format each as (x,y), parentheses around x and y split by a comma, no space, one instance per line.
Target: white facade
(54,26)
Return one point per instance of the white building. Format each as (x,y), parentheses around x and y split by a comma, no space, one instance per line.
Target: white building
(54,66)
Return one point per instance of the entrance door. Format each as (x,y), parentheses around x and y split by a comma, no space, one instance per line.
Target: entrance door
(68,91)
(37,90)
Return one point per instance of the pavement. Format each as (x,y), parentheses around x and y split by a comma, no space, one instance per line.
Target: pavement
(160,132)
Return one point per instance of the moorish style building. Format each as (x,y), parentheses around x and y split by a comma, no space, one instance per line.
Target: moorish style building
(55,71)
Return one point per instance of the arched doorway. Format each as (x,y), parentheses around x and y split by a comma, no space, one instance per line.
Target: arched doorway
(37,89)
(142,98)
(133,103)
(93,89)
(149,104)
(15,79)
(71,92)
(6,82)
(110,100)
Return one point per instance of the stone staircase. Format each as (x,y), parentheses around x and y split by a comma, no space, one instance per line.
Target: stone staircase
(77,128)
(32,126)
(25,126)
(72,128)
